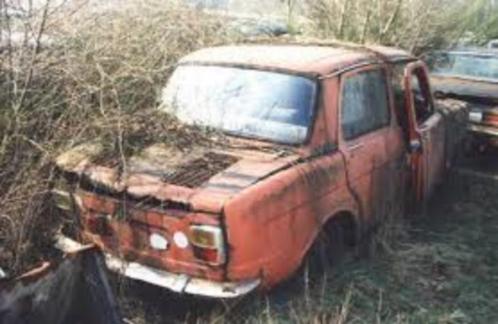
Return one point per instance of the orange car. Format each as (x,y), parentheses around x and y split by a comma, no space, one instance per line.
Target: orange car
(326,138)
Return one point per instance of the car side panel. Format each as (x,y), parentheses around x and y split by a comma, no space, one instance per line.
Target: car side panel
(432,133)
(376,166)
(271,226)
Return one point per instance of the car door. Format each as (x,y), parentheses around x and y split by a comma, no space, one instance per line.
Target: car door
(364,127)
(426,132)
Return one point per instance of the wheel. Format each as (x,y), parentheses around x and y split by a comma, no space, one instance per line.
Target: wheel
(335,239)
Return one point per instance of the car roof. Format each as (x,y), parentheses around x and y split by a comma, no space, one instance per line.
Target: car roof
(471,51)
(311,59)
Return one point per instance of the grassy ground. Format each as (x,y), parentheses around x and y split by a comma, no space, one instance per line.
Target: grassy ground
(443,270)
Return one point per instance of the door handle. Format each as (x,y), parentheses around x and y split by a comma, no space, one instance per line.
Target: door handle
(415,146)
(423,128)
(355,147)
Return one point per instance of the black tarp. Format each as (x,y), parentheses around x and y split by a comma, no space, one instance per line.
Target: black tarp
(75,291)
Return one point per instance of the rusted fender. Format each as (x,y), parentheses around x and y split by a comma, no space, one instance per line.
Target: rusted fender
(76,290)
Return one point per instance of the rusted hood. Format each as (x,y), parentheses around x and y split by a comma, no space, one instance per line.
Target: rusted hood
(200,179)
(469,90)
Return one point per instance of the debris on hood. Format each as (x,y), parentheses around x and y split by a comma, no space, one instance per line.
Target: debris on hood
(159,158)
(156,144)
(148,139)
(80,156)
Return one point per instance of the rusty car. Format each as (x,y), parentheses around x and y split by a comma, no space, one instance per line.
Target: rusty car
(470,75)
(327,139)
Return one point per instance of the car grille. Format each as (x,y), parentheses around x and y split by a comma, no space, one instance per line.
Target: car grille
(196,172)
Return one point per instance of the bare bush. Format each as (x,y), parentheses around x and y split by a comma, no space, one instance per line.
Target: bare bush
(77,75)
(413,25)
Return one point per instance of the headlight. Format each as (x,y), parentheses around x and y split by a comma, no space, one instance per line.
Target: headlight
(158,242)
(476,116)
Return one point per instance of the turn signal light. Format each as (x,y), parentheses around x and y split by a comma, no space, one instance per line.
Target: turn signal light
(62,200)
(204,236)
(98,224)
(491,119)
(210,256)
(207,242)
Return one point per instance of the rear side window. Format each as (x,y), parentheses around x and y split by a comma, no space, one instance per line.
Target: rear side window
(364,103)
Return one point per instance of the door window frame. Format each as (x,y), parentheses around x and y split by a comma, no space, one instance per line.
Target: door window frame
(389,100)
(420,71)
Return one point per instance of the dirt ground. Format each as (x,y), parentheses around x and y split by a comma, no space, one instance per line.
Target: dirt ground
(443,269)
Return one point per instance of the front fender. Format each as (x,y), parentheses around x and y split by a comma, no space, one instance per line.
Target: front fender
(271,225)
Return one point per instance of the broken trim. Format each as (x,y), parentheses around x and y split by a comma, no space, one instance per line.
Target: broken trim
(487,130)
(179,283)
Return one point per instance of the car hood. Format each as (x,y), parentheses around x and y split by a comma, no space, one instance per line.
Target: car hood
(468,90)
(199,180)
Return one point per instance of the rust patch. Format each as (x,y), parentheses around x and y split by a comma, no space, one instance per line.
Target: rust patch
(196,172)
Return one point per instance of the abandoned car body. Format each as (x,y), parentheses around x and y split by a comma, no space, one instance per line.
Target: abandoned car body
(326,138)
(471,76)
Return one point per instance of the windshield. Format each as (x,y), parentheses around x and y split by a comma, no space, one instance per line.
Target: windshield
(477,66)
(250,103)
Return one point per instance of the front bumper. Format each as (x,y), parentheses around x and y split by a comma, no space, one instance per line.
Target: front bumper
(483,129)
(179,283)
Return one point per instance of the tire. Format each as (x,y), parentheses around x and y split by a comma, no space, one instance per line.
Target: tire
(332,243)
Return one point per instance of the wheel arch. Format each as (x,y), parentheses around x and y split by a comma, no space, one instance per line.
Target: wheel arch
(348,221)
(347,218)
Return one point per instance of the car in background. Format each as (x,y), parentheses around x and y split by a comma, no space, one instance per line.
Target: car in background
(470,75)
(493,44)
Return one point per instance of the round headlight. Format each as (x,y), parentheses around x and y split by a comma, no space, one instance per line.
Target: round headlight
(158,242)
(180,240)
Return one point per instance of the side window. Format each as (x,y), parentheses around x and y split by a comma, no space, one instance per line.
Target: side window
(365,105)
(421,96)
(397,80)
(398,86)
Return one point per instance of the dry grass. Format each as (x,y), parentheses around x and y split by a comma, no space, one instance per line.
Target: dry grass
(441,270)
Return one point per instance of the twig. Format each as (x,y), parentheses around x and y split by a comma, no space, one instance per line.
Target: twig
(391,21)
(36,51)
(365,26)
(342,20)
